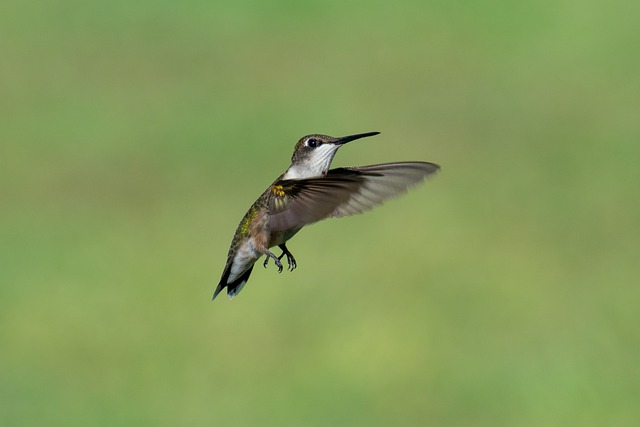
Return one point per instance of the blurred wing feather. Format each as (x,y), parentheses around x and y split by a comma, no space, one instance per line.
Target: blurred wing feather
(342,192)
(306,201)
(381,182)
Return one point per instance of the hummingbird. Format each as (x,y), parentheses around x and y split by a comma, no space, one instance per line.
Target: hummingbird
(307,192)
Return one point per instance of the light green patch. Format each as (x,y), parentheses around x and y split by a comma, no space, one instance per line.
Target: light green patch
(247,220)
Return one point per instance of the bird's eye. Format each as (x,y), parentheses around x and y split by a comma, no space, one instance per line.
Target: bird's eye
(313,143)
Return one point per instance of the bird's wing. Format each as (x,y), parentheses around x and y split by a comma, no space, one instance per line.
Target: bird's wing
(296,203)
(381,182)
(343,191)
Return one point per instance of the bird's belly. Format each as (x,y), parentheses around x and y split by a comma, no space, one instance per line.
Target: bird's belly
(279,237)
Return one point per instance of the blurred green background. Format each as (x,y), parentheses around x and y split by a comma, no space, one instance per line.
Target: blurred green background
(134,135)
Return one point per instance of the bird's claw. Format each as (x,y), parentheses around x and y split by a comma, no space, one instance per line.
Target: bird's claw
(276,260)
(291,261)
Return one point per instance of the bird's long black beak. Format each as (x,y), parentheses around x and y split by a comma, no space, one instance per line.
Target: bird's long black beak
(345,139)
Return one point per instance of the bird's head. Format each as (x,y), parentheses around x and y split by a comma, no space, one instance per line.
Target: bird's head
(313,154)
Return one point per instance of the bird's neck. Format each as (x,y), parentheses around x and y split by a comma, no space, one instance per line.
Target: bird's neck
(299,171)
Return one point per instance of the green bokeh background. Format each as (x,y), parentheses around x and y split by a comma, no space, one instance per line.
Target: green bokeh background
(505,292)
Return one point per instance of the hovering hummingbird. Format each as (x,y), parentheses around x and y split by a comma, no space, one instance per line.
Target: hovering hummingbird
(308,192)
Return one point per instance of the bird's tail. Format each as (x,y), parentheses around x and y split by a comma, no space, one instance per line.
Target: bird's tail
(234,287)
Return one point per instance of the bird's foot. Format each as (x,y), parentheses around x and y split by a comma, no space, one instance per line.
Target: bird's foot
(276,260)
(290,259)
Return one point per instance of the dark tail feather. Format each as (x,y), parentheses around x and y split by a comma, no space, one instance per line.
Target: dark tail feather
(234,287)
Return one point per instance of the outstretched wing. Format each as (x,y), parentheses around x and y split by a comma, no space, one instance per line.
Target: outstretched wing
(343,191)
(296,203)
(381,182)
